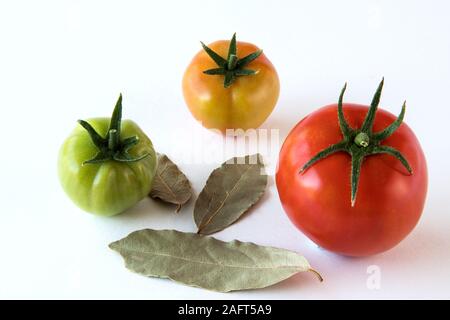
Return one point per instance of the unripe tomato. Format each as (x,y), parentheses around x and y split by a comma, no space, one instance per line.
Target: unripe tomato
(231,85)
(103,173)
(363,196)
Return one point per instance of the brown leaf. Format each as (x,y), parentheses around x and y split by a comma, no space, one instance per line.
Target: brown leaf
(229,192)
(170,184)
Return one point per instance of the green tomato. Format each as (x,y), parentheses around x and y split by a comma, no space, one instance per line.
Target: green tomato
(102,173)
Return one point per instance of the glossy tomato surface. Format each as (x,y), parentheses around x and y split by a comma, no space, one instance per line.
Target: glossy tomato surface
(390,201)
(243,105)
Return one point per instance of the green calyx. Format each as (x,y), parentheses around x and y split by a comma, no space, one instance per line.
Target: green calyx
(112,147)
(231,67)
(363,142)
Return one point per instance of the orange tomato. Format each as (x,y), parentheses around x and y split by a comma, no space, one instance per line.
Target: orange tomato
(250,96)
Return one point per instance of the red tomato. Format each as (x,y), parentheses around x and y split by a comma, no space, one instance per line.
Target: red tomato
(390,200)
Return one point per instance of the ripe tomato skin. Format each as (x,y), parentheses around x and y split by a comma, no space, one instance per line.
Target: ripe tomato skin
(389,202)
(245,104)
(111,187)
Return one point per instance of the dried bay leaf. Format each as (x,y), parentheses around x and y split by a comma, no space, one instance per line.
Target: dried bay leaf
(229,192)
(206,262)
(170,184)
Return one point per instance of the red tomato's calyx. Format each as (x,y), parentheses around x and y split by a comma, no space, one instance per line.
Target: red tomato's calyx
(232,67)
(362,142)
(111,147)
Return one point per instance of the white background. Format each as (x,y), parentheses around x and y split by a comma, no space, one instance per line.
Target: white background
(65,60)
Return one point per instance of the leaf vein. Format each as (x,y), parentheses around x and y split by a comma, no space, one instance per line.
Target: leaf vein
(218,264)
(224,200)
(159,174)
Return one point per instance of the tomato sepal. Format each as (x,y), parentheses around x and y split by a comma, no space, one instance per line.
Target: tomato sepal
(232,67)
(112,147)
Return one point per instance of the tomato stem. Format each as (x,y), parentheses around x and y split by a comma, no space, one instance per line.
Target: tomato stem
(232,61)
(112,147)
(362,139)
(362,142)
(113,139)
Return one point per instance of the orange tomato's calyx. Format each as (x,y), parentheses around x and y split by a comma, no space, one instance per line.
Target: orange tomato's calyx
(231,67)
(111,147)
(363,142)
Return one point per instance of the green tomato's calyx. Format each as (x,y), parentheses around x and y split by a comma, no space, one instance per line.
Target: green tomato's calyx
(112,147)
(362,142)
(232,67)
